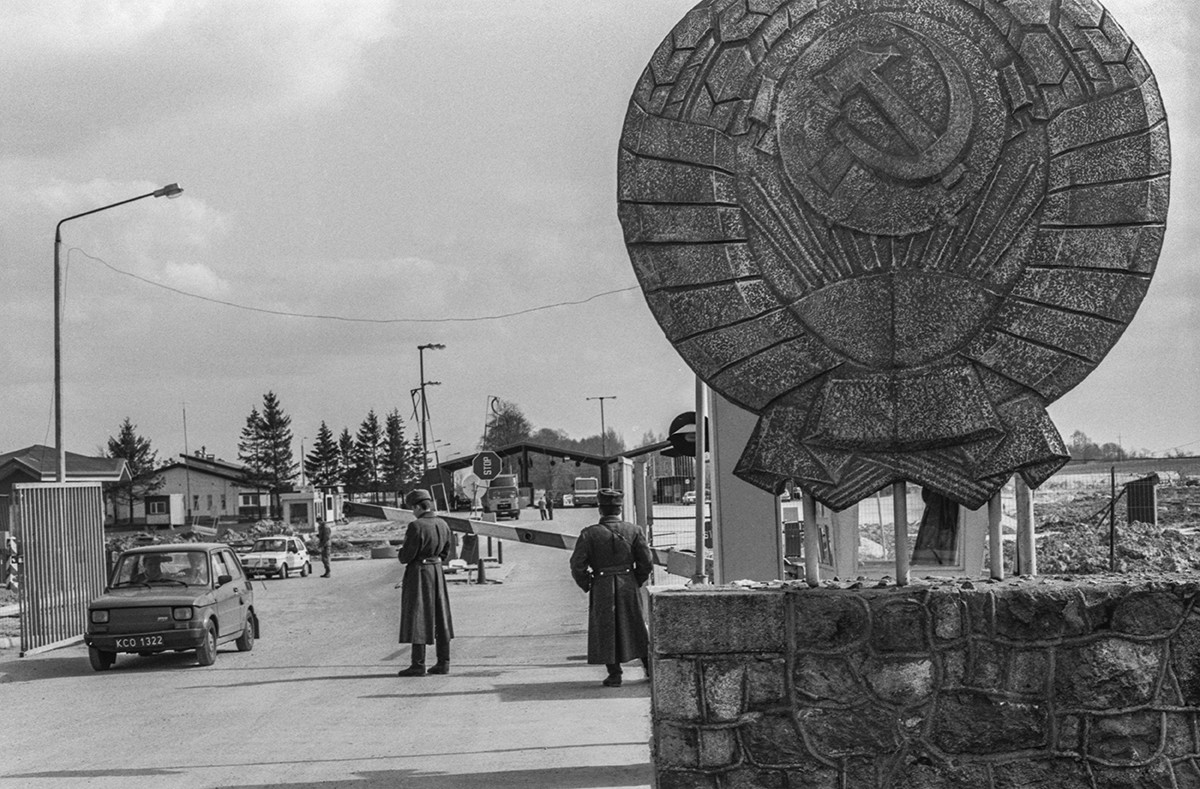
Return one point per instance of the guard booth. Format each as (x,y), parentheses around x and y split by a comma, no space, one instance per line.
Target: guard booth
(761,538)
(1142,500)
(944,538)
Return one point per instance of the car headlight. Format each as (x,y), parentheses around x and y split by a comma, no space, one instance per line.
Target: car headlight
(99,617)
(271,561)
(182,613)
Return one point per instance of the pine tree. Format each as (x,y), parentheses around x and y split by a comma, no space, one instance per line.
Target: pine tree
(323,465)
(278,461)
(346,461)
(394,462)
(367,450)
(250,452)
(142,462)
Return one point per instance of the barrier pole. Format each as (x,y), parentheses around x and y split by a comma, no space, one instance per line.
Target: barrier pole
(812,542)
(900,530)
(995,537)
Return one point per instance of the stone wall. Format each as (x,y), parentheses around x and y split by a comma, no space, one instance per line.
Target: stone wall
(991,685)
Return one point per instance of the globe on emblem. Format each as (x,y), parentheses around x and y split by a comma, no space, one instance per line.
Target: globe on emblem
(896,231)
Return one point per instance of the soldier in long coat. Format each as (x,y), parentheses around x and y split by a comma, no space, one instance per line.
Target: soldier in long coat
(610,562)
(424,601)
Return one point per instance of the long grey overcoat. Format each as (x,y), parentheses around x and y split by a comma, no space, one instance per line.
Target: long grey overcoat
(424,602)
(616,625)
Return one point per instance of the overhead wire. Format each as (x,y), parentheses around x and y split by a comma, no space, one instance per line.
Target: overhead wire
(343,318)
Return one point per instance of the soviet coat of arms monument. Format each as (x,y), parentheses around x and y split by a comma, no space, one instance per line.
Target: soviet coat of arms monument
(895,231)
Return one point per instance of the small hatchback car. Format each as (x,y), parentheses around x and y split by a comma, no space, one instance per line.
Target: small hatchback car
(279,555)
(180,597)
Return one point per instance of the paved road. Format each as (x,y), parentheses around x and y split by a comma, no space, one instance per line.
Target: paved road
(317,703)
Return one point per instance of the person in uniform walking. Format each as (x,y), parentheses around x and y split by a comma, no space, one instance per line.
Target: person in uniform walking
(424,601)
(610,562)
(324,534)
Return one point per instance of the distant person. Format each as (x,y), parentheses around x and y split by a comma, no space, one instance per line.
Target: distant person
(196,573)
(424,600)
(324,535)
(610,562)
(550,504)
(541,505)
(151,569)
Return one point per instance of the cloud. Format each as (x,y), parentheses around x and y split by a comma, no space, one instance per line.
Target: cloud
(76,67)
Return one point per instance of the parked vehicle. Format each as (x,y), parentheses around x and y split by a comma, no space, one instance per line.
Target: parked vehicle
(280,556)
(160,598)
(689,497)
(502,497)
(585,491)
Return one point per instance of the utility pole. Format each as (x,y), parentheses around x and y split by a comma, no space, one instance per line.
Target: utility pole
(604,473)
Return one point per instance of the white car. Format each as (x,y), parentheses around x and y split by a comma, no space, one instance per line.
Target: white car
(279,555)
(689,497)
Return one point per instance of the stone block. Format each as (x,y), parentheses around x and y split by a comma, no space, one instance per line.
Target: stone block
(774,740)
(968,722)
(718,747)
(766,682)
(1028,672)
(947,616)
(749,777)
(850,732)
(665,778)
(676,745)
(1179,735)
(724,684)
(1105,674)
(1042,774)
(899,625)
(1131,739)
(903,682)
(1185,659)
(676,690)
(1148,613)
(1157,775)
(703,622)
(1049,614)
(826,680)
(830,621)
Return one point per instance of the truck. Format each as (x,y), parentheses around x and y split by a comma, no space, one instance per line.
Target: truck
(502,497)
(586,489)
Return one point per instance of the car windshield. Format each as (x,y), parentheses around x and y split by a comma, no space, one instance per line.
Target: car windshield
(175,567)
(269,545)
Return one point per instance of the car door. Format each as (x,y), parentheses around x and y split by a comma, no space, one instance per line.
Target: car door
(231,596)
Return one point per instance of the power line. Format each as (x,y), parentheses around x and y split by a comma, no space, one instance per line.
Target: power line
(315,316)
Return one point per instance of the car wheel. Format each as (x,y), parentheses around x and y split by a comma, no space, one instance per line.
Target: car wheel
(206,654)
(245,641)
(100,660)
(305,569)
(283,571)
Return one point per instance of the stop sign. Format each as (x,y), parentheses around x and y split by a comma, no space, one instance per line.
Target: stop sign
(486,465)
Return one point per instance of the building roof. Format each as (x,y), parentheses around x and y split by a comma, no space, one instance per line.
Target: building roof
(41,463)
(234,472)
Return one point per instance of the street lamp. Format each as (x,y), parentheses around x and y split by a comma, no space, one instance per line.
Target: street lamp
(170,190)
(603,437)
(432,346)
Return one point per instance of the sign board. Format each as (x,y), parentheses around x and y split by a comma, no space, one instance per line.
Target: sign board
(486,465)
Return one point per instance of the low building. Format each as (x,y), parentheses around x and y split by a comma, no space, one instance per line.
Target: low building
(213,490)
(38,463)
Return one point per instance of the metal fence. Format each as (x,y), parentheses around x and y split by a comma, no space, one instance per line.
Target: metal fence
(60,534)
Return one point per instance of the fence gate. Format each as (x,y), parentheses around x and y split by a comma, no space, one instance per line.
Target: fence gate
(60,536)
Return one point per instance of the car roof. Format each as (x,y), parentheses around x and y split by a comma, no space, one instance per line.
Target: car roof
(177,546)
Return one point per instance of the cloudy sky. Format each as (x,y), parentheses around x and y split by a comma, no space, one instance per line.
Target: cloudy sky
(365,176)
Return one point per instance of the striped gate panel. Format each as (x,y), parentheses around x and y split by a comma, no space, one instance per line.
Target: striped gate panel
(60,533)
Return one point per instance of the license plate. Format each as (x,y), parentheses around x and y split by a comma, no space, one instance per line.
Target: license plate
(140,641)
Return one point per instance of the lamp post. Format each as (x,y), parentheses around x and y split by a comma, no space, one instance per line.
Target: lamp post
(432,346)
(603,439)
(170,190)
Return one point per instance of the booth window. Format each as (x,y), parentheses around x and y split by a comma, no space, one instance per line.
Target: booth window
(937,537)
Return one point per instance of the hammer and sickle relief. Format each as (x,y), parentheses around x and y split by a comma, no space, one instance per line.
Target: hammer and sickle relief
(930,151)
